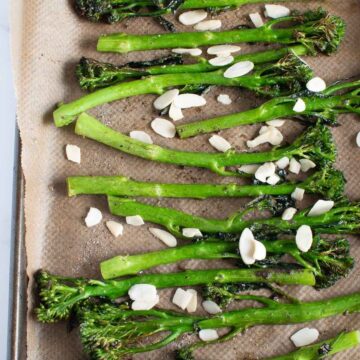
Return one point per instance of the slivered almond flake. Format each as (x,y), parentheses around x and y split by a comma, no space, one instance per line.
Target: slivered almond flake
(182,298)
(135,220)
(256,19)
(193,302)
(288,214)
(186,101)
(358,139)
(283,162)
(276,122)
(73,153)
(268,134)
(260,251)
(219,143)
(115,228)
(321,207)
(208,335)
(141,136)
(208,25)
(264,171)
(298,194)
(304,238)
(306,165)
(294,166)
(192,17)
(240,68)
(223,49)
(211,307)
(224,99)
(192,52)
(93,217)
(273,179)
(247,246)
(221,60)
(299,106)
(249,169)
(165,99)
(276,11)
(145,304)
(316,84)
(142,292)
(304,337)
(175,113)
(167,238)
(163,127)
(191,232)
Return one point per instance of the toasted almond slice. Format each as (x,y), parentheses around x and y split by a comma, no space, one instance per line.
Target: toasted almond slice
(305,337)
(219,143)
(294,166)
(298,194)
(115,228)
(73,153)
(316,84)
(264,171)
(247,246)
(208,335)
(299,106)
(288,214)
(165,99)
(141,136)
(276,122)
(260,250)
(135,220)
(182,298)
(175,113)
(211,307)
(192,52)
(256,19)
(192,17)
(167,238)
(306,165)
(358,139)
(145,292)
(224,99)
(164,127)
(221,60)
(221,50)
(145,305)
(93,217)
(304,238)
(186,101)
(321,207)
(249,169)
(276,11)
(273,179)
(191,232)
(208,25)
(283,162)
(240,68)
(193,302)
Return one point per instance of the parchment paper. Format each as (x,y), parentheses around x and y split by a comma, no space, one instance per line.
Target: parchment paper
(48,40)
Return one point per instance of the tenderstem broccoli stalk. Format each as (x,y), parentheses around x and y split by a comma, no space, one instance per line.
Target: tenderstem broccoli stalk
(328,182)
(329,260)
(59,296)
(113,332)
(344,218)
(315,144)
(314,29)
(325,349)
(325,107)
(287,76)
(93,74)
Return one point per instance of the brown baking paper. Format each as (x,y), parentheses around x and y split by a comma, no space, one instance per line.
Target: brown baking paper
(48,39)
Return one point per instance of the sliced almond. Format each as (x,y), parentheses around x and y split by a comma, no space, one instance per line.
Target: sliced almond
(165,99)
(305,337)
(247,246)
(299,106)
(321,207)
(186,101)
(256,19)
(276,122)
(192,52)
(141,136)
(276,11)
(240,68)
(288,214)
(273,179)
(304,238)
(115,228)
(224,99)
(358,139)
(298,194)
(249,169)
(93,217)
(316,84)
(268,134)
(283,162)
(135,220)
(264,171)
(145,305)
(192,17)
(175,113)
(219,143)
(167,238)
(182,298)
(211,307)
(208,335)
(294,166)
(208,25)
(164,127)
(191,232)
(73,153)
(259,251)
(221,60)
(221,50)
(144,292)
(306,165)
(193,302)
(264,129)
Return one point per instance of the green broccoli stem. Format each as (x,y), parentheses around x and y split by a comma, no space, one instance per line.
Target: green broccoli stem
(91,128)
(324,349)
(342,219)
(203,4)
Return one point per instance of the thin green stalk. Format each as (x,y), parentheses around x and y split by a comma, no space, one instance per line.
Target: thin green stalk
(315,144)
(324,349)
